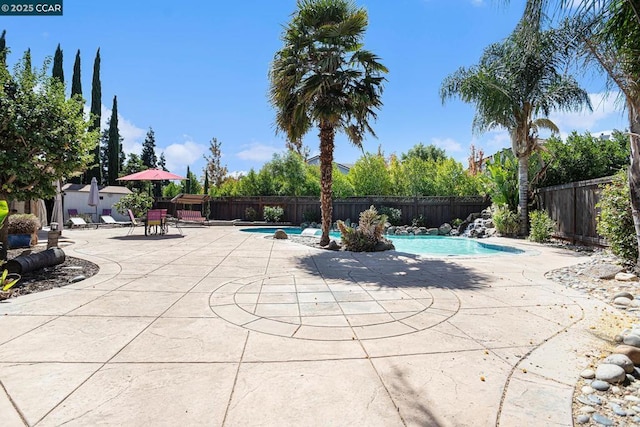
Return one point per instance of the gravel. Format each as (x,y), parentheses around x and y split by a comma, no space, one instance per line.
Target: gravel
(50,277)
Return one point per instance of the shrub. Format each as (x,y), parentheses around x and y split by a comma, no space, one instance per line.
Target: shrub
(614,221)
(394,215)
(250,214)
(139,203)
(541,226)
(273,213)
(23,224)
(419,221)
(505,220)
(311,216)
(368,234)
(456,222)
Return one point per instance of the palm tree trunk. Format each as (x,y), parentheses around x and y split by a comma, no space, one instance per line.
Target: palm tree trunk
(634,173)
(327,134)
(523,194)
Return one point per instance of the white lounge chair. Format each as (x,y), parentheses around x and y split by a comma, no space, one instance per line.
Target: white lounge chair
(108,220)
(77,222)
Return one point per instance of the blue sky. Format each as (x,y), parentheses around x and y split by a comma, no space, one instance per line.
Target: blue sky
(197,70)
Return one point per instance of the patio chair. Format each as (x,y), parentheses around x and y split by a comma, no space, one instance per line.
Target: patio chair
(77,222)
(134,223)
(109,220)
(154,219)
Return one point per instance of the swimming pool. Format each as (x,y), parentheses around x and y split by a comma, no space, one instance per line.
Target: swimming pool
(421,245)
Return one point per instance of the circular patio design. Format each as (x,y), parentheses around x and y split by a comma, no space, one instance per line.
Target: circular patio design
(284,306)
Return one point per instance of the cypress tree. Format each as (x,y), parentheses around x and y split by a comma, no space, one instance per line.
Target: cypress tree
(27,61)
(187,186)
(148,155)
(76,82)
(58,71)
(206,182)
(96,108)
(163,162)
(114,145)
(3,49)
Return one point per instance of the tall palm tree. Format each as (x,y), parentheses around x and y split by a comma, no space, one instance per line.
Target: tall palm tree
(323,77)
(515,86)
(609,33)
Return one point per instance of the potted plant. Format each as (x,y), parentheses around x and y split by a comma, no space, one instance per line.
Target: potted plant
(23,230)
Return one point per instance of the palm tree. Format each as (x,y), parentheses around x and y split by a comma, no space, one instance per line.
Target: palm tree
(608,31)
(516,85)
(323,77)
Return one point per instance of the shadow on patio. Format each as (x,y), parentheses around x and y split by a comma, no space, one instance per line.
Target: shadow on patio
(392,269)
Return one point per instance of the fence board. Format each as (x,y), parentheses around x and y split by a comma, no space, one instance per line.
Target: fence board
(573,208)
(436,210)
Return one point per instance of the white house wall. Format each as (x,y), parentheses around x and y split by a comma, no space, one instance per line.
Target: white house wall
(78,200)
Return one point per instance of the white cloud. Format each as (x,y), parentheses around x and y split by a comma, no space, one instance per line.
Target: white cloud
(237,174)
(499,139)
(604,107)
(450,145)
(257,152)
(181,155)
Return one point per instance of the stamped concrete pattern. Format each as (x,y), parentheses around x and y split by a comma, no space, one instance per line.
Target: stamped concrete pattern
(219,327)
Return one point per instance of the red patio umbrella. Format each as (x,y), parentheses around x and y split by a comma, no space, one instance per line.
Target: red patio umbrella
(151,175)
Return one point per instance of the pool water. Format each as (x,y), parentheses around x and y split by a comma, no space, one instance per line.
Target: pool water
(421,245)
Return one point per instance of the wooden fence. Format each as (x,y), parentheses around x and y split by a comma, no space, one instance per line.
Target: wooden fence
(436,210)
(573,208)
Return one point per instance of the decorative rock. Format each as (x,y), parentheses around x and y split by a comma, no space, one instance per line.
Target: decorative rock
(610,373)
(582,419)
(599,385)
(587,409)
(631,352)
(432,231)
(584,400)
(444,229)
(386,245)
(621,360)
(626,277)
(333,246)
(623,301)
(615,389)
(77,279)
(280,234)
(618,410)
(589,390)
(623,294)
(632,340)
(588,374)
(600,419)
(603,271)
(632,398)
(594,399)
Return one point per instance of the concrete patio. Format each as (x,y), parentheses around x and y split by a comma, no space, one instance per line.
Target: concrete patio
(224,328)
